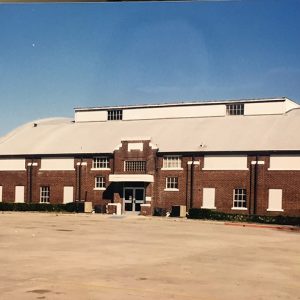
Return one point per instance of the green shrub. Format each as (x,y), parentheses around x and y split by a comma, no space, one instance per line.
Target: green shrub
(199,213)
(69,207)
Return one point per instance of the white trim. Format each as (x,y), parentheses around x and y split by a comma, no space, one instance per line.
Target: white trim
(171,190)
(171,169)
(56,170)
(137,138)
(148,198)
(196,162)
(99,189)
(269,209)
(153,146)
(146,205)
(208,207)
(135,146)
(208,169)
(258,162)
(130,177)
(100,169)
(117,147)
(190,162)
(239,208)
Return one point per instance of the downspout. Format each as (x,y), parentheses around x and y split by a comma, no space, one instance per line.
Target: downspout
(30,181)
(192,182)
(79,179)
(255,185)
(251,202)
(187,186)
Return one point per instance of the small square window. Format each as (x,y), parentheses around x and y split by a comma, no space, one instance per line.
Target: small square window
(99,182)
(44,194)
(239,198)
(172,183)
(235,109)
(114,114)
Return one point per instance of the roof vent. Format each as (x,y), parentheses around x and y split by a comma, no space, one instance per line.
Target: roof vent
(34,124)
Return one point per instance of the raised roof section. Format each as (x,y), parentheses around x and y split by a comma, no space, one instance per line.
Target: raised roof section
(249,107)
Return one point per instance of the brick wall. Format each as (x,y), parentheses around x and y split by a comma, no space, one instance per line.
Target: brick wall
(192,179)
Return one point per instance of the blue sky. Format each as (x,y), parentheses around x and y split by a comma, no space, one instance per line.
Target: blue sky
(54,57)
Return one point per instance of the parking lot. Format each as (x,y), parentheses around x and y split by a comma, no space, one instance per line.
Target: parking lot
(78,256)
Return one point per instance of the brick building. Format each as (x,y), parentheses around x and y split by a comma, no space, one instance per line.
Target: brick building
(233,156)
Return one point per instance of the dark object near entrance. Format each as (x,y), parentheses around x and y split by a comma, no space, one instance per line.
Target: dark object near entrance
(160,212)
(178,211)
(100,209)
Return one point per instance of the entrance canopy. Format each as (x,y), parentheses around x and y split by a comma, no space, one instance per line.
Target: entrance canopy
(131,178)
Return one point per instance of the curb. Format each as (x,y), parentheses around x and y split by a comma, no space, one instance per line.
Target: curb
(278,227)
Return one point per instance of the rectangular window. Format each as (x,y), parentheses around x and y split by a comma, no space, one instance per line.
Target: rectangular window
(100,163)
(44,194)
(239,199)
(114,114)
(68,194)
(235,109)
(209,198)
(275,200)
(20,194)
(172,162)
(99,182)
(135,166)
(172,183)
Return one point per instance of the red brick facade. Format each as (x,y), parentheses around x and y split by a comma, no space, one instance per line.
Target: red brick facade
(192,179)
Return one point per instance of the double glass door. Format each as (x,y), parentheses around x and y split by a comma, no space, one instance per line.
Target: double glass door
(133,198)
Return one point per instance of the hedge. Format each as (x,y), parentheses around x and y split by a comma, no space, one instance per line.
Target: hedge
(69,207)
(198,213)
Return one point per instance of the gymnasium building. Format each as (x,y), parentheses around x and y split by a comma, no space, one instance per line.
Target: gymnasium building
(238,156)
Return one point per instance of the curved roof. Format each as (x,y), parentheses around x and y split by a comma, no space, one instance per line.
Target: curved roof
(228,133)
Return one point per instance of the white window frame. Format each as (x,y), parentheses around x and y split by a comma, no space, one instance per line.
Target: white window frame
(100,183)
(172,162)
(239,196)
(100,163)
(45,194)
(235,109)
(114,114)
(171,183)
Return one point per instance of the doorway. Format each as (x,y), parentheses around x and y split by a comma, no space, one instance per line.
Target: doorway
(133,198)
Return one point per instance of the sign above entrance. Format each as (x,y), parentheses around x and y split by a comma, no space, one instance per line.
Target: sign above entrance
(131,178)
